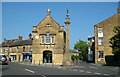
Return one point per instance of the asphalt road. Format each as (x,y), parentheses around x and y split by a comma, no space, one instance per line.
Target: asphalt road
(54,71)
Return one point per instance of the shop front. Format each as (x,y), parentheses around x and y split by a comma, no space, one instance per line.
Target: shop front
(27,56)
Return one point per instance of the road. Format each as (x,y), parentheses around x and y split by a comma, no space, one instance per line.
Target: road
(44,71)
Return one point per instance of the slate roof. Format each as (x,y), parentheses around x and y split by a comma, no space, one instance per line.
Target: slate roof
(21,43)
(7,43)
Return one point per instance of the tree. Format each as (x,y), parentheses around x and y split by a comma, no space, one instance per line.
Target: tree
(115,42)
(82,45)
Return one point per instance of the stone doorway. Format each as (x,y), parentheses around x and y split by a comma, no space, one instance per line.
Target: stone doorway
(47,57)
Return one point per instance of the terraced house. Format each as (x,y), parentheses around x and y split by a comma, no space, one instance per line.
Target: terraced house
(17,49)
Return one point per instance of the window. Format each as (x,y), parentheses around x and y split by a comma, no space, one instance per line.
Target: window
(47,38)
(1,49)
(13,57)
(48,25)
(42,40)
(100,29)
(100,54)
(6,50)
(30,48)
(52,40)
(16,49)
(100,40)
(10,49)
(23,49)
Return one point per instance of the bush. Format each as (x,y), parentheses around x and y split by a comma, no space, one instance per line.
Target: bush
(110,60)
(75,57)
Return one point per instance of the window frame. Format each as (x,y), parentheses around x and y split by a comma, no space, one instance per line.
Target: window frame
(42,40)
(47,38)
(30,48)
(53,40)
(100,53)
(10,49)
(24,49)
(100,41)
(100,29)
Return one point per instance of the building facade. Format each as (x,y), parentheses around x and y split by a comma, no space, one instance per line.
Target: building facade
(17,50)
(49,42)
(103,32)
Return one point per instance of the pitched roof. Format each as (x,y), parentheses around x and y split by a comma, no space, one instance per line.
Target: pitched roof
(106,19)
(7,42)
(48,17)
(22,43)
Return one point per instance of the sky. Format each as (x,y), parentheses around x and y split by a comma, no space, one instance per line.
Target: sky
(18,18)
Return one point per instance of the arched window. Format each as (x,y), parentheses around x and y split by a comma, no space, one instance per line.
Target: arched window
(47,38)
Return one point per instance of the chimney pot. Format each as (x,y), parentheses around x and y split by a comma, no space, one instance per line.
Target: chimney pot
(4,39)
(19,37)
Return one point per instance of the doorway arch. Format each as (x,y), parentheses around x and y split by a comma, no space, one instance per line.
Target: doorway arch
(47,56)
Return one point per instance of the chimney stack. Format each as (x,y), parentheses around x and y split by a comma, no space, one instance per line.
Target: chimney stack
(5,39)
(30,36)
(19,37)
(118,10)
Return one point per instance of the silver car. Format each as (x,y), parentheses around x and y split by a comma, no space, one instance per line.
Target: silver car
(3,59)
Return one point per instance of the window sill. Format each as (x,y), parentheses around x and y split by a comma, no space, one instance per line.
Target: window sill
(100,45)
(47,44)
(101,58)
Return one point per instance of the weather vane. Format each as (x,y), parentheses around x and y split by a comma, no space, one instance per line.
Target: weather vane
(67,13)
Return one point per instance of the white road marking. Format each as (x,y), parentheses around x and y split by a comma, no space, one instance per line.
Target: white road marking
(64,68)
(93,67)
(30,70)
(81,70)
(88,72)
(74,70)
(97,73)
(82,66)
(43,75)
(105,74)
(59,67)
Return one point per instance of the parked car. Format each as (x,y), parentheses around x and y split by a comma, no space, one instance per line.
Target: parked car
(3,59)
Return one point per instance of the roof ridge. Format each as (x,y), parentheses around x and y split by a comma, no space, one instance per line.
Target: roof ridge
(50,17)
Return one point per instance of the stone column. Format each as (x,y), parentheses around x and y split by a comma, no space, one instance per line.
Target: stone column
(67,55)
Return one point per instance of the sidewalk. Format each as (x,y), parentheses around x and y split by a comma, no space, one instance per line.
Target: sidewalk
(43,65)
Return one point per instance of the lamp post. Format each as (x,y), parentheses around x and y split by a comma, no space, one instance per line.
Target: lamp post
(8,52)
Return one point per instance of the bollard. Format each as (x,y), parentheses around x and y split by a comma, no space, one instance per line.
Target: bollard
(34,62)
(39,62)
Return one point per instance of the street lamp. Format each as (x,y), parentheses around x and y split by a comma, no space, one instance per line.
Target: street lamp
(8,51)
